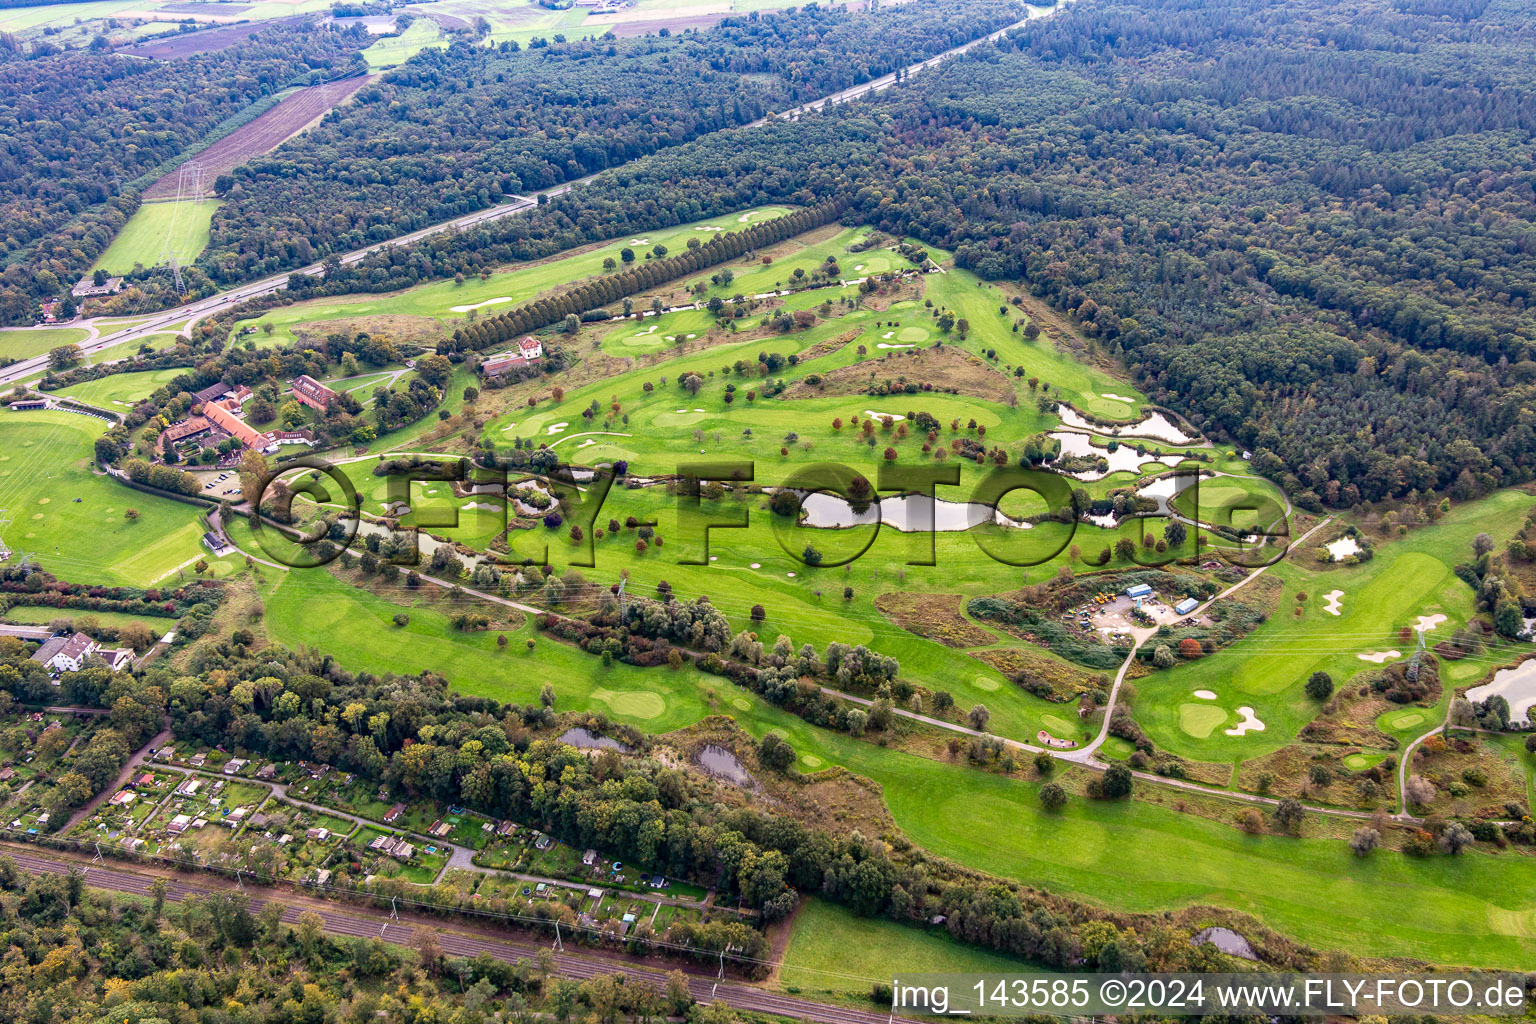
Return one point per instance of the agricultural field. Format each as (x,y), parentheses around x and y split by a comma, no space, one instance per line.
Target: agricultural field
(295,112)
(127,21)
(158,231)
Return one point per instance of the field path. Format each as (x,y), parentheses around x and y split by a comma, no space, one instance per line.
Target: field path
(264,134)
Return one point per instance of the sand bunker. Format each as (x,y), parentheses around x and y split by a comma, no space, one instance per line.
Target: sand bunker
(755,565)
(899,345)
(888,334)
(883,415)
(1118,398)
(649,330)
(1250,723)
(1342,548)
(1332,597)
(790,575)
(479,305)
(1428,622)
(1206,694)
(639,241)
(485,505)
(555,428)
(1377,657)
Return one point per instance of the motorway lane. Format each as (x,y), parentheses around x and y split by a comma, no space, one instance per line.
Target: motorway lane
(570,965)
(200,308)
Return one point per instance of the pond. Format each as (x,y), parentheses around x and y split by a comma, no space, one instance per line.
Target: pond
(908,513)
(1516,685)
(1124,459)
(722,764)
(1156,426)
(587,740)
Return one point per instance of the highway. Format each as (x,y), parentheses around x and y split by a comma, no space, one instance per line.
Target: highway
(200,308)
(365,924)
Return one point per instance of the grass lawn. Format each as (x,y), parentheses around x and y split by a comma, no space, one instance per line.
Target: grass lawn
(453,304)
(157,227)
(836,952)
(1409,577)
(45,463)
(1136,855)
(119,391)
(1468,910)
(392,51)
(39,615)
(28,342)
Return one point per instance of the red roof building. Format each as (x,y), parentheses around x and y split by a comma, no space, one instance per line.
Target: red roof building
(312,393)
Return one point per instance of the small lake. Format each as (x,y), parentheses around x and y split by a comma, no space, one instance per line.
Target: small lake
(908,513)
(587,740)
(1156,426)
(722,764)
(1516,685)
(1124,459)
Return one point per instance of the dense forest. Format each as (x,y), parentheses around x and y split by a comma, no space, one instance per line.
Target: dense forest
(80,133)
(80,954)
(456,130)
(1311,230)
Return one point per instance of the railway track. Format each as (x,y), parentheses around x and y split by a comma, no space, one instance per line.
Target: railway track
(377,925)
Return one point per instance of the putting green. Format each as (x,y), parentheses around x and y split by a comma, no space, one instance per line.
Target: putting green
(741,704)
(1200,720)
(680,419)
(1402,719)
(912,334)
(633,703)
(1117,747)
(986,683)
(811,761)
(1360,762)
(1059,726)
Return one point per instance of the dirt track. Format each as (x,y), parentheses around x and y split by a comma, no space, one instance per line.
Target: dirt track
(264,134)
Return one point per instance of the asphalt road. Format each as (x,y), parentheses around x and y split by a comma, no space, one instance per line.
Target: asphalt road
(376,924)
(201,308)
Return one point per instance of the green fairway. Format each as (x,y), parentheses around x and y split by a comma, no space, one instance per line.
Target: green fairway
(29,342)
(1468,910)
(45,464)
(1409,577)
(120,390)
(451,303)
(156,231)
(834,951)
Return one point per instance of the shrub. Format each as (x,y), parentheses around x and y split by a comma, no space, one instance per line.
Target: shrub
(1052,796)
